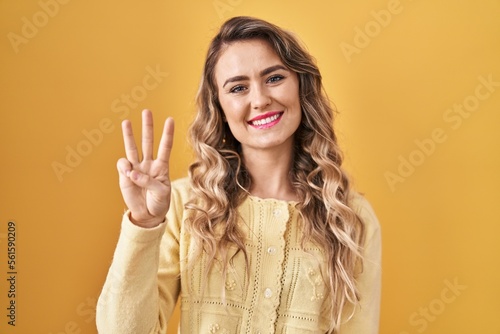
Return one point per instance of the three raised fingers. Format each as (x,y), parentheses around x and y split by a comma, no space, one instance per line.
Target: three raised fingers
(166,140)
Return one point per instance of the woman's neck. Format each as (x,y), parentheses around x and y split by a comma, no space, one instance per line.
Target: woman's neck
(270,172)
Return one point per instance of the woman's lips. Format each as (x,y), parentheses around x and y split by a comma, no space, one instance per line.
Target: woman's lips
(266,120)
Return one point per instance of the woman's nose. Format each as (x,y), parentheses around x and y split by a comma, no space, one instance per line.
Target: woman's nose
(260,98)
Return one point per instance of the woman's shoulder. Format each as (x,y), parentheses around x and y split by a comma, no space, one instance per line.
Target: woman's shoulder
(181,183)
(180,189)
(360,204)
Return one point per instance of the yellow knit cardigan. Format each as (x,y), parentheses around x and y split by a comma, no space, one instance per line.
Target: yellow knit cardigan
(286,292)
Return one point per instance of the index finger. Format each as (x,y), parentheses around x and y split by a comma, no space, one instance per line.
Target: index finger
(129,141)
(166,141)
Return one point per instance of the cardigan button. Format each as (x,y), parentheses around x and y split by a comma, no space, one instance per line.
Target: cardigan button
(271,250)
(268,293)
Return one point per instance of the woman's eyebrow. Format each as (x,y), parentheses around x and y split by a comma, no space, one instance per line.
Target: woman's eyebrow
(236,78)
(262,73)
(272,69)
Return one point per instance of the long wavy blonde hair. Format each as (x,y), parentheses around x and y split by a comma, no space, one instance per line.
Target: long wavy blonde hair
(220,181)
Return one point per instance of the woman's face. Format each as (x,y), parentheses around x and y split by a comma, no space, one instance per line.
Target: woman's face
(259,96)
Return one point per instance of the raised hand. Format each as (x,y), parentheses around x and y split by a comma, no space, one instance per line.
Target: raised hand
(145,184)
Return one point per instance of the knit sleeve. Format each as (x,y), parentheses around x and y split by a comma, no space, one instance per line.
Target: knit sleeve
(142,285)
(366,317)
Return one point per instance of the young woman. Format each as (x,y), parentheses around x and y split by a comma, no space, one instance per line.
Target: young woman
(265,235)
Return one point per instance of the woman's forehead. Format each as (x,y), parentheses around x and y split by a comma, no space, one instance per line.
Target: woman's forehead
(245,57)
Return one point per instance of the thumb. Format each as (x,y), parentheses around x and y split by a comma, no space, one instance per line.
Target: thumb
(137,177)
(124,167)
(145,181)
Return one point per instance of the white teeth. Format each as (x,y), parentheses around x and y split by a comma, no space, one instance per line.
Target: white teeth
(266,120)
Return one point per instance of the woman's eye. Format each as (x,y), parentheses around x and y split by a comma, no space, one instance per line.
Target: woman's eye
(237,89)
(275,78)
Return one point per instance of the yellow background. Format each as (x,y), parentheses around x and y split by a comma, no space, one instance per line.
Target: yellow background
(440,221)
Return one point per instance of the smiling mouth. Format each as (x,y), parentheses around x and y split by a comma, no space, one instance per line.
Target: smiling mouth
(267,121)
